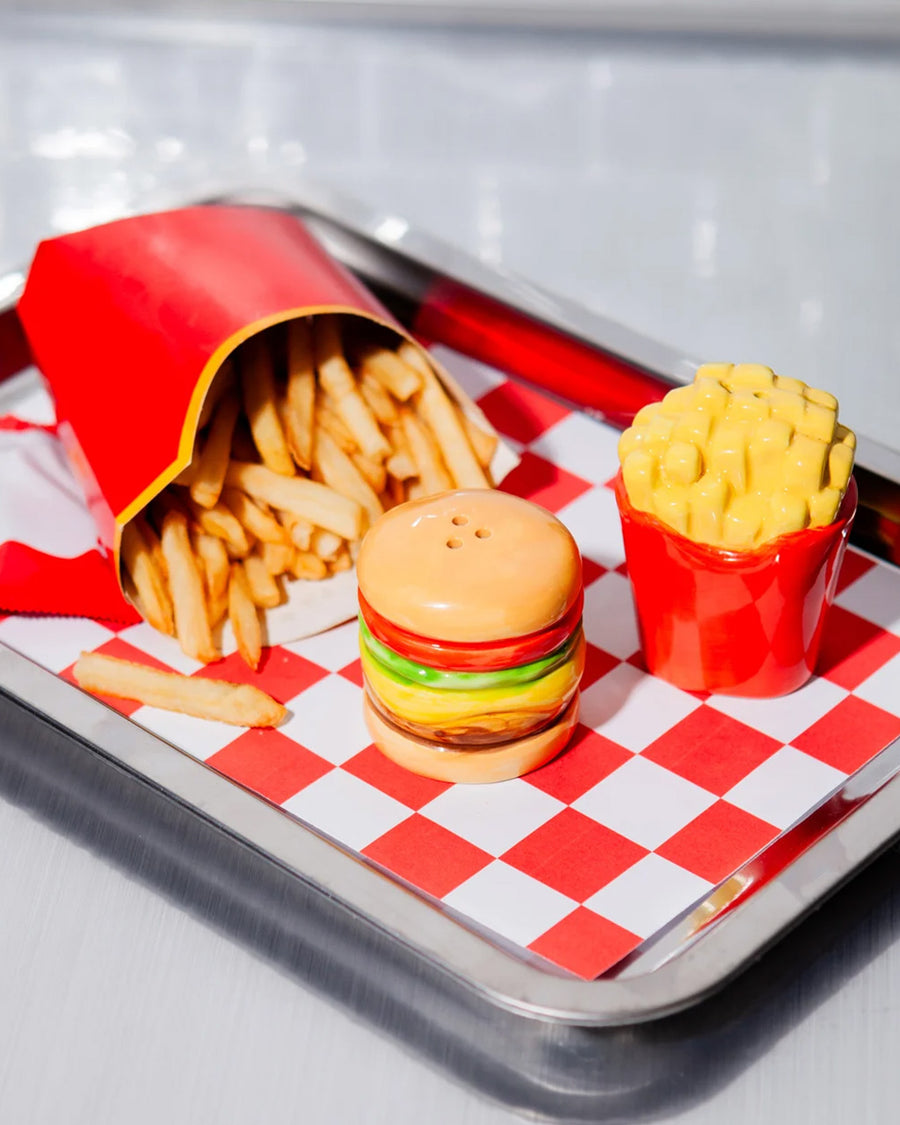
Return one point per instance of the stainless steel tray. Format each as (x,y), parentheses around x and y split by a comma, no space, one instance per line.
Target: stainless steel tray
(672,971)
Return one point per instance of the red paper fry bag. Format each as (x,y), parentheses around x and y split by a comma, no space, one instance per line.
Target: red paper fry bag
(130,323)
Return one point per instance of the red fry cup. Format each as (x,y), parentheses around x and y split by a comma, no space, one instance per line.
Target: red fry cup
(741,623)
(130,322)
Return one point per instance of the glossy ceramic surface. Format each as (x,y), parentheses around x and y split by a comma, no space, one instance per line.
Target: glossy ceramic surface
(470,565)
(740,623)
(484,656)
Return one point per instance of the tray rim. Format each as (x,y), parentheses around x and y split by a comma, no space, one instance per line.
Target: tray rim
(670,972)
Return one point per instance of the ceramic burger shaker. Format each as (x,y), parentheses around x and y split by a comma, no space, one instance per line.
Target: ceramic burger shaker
(470,634)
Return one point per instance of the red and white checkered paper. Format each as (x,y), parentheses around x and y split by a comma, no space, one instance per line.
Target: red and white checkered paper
(662,794)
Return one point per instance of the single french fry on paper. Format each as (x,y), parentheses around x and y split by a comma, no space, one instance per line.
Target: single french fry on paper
(240,704)
(300,393)
(340,473)
(186,587)
(316,502)
(337,379)
(210,466)
(437,411)
(261,406)
(243,616)
(149,582)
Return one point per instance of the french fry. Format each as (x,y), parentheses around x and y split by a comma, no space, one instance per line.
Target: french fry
(379,401)
(261,407)
(264,590)
(277,557)
(400,466)
(262,525)
(328,419)
(209,473)
(484,445)
(337,379)
(222,522)
(300,395)
(316,502)
(149,583)
(340,473)
(309,566)
(244,618)
(223,381)
(325,544)
(341,561)
(400,463)
(299,530)
(389,369)
(239,704)
(436,409)
(212,553)
(217,610)
(430,470)
(374,473)
(152,540)
(186,588)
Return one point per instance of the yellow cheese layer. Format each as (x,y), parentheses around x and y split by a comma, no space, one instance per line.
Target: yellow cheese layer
(739,456)
(487,709)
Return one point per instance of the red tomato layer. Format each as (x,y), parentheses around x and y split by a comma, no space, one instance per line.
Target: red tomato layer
(484,656)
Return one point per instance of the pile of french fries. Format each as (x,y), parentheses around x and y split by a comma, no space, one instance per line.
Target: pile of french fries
(309,432)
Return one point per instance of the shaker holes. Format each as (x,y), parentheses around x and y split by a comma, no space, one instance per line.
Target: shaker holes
(483,533)
(460,521)
(454,543)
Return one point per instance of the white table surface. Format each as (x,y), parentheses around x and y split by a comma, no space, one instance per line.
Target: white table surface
(739,203)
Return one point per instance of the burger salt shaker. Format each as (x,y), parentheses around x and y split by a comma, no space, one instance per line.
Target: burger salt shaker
(470,635)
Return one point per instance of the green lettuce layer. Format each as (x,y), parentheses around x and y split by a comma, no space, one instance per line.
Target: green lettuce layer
(401,668)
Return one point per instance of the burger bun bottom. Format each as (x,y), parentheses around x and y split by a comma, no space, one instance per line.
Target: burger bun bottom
(484,764)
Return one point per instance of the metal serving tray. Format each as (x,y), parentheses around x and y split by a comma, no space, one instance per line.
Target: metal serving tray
(310,891)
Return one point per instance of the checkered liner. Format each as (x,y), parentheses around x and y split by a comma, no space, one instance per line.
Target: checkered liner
(662,794)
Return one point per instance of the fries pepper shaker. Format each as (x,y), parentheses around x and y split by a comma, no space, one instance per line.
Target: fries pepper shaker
(736,502)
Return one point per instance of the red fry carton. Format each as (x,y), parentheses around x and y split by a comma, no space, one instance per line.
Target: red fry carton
(130,322)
